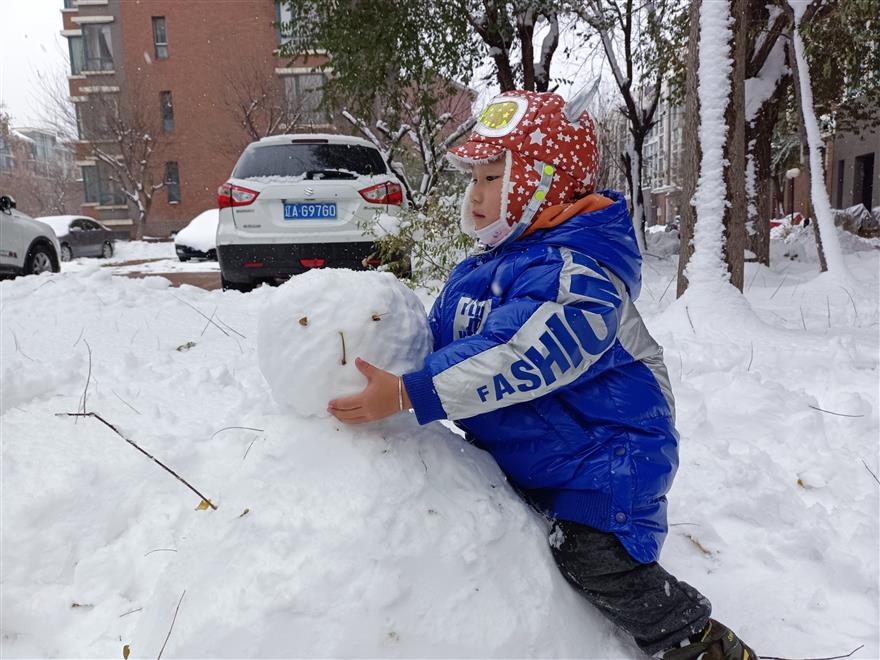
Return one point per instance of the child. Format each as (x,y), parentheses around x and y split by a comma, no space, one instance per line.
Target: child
(541,357)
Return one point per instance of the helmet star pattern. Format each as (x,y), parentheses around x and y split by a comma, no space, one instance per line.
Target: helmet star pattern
(533,128)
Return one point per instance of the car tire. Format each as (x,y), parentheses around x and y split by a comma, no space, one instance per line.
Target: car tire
(66,252)
(39,260)
(107,250)
(182,258)
(244,287)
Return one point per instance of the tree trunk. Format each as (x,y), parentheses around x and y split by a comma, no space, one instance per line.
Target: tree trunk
(759,135)
(734,148)
(690,165)
(526,29)
(802,134)
(139,229)
(635,180)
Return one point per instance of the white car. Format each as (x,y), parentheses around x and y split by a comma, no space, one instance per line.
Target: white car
(198,240)
(27,247)
(296,202)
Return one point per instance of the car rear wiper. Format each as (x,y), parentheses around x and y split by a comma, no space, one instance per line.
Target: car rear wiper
(329,174)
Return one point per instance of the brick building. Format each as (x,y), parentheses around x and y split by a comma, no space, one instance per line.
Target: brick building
(37,169)
(191,76)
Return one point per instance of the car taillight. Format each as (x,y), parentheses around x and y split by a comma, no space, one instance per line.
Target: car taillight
(230,195)
(384,193)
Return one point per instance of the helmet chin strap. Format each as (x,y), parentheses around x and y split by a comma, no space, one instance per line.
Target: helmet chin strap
(532,207)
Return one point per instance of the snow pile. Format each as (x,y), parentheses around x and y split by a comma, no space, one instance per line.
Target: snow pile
(139,256)
(315,325)
(394,540)
(663,243)
(388,541)
(201,233)
(858,220)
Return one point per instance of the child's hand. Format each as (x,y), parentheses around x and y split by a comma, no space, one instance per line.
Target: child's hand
(378,400)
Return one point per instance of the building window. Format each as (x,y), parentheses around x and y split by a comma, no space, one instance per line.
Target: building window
(77,55)
(79,122)
(285,30)
(160,37)
(172,182)
(69,4)
(7,160)
(304,93)
(167,106)
(98,118)
(90,184)
(98,47)
(99,188)
(109,191)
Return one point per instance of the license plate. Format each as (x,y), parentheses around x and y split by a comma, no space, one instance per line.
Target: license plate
(310,211)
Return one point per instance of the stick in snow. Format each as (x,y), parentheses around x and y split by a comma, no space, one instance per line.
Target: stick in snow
(870,470)
(133,444)
(202,314)
(172,625)
(246,428)
(834,657)
(88,378)
(831,412)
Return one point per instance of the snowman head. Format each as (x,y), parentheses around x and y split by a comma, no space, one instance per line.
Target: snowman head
(313,327)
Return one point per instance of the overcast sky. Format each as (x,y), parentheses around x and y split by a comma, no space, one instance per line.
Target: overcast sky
(31,42)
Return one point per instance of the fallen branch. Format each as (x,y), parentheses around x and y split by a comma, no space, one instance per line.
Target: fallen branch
(202,334)
(125,402)
(133,444)
(855,311)
(870,470)
(130,612)
(229,327)
(833,657)
(172,625)
(18,347)
(85,393)
(779,287)
(831,412)
(246,428)
(201,313)
(248,449)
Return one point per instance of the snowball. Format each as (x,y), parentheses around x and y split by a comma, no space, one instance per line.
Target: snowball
(313,327)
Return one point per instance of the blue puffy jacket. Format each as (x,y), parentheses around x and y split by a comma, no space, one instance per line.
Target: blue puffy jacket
(540,354)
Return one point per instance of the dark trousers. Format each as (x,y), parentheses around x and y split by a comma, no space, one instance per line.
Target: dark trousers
(643,599)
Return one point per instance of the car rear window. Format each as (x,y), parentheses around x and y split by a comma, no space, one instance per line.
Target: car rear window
(308,160)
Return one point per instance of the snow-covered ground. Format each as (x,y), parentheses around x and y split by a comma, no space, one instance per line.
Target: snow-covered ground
(158,257)
(395,540)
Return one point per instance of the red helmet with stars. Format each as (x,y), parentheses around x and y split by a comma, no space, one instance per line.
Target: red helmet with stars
(551,151)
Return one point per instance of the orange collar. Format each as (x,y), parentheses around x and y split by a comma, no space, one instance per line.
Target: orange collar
(554,216)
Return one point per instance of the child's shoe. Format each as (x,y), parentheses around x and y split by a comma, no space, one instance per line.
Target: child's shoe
(715,642)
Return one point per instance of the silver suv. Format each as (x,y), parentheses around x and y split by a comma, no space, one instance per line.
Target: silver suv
(27,246)
(296,202)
